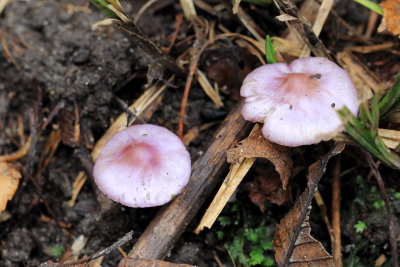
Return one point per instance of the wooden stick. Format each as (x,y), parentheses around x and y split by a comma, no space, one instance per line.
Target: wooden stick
(172,220)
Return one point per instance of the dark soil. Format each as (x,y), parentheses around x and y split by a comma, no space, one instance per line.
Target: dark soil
(61,70)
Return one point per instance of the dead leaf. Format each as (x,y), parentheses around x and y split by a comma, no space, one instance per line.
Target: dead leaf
(129,262)
(256,146)
(391,17)
(267,186)
(294,246)
(9,181)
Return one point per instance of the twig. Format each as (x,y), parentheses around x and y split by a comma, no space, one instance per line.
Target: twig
(337,244)
(130,113)
(179,19)
(302,28)
(126,238)
(52,114)
(198,48)
(138,38)
(391,226)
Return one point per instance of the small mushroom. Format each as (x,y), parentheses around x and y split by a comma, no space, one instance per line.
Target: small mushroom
(297,102)
(142,166)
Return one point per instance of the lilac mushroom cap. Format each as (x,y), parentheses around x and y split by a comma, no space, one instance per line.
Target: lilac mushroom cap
(143,166)
(297,102)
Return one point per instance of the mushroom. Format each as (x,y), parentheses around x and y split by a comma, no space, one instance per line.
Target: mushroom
(297,102)
(142,166)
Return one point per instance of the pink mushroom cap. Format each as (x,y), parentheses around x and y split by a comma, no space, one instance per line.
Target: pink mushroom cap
(297,102)
(143,166)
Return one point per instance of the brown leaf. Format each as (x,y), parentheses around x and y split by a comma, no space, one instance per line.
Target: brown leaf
(267,186)
(256,146)
(294,246)
(9,181)
(129,262)
(391,17)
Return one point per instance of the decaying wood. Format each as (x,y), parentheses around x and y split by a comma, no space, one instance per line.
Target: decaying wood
(172,220)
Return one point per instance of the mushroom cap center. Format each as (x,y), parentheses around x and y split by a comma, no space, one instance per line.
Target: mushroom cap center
(298,85)
(140,155)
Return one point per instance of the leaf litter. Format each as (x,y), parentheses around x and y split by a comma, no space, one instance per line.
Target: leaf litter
(256,146)
(294,246)
(9,181)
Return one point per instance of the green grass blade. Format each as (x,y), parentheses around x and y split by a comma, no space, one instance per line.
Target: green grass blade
(375,113)
(391,98)
(371,5)
(103,6)
(269,51)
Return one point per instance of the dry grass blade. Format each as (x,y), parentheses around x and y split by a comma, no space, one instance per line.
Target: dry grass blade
(188,9)
(18,154)
(232,180)
(235,7)
(293,244)
(391,138)
(371,48)
(322,15)
(209,89)
(3,4)
(249,24)
(228,187)
(364,80)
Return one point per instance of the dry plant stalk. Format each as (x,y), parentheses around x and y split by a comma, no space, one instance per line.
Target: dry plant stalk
(336,193)
(233,179)
(18,154)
